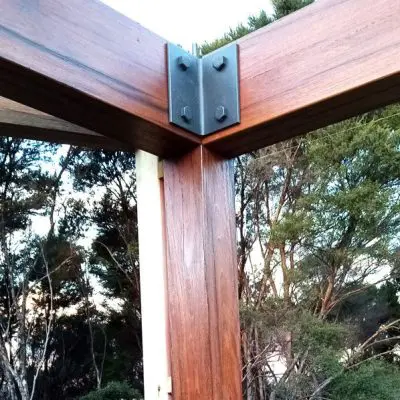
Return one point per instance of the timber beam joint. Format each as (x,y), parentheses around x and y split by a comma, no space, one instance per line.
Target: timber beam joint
(203,93)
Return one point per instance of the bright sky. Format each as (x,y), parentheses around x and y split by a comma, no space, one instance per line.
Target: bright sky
(186,22)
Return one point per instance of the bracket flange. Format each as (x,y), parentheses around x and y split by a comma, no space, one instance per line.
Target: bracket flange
(203,92)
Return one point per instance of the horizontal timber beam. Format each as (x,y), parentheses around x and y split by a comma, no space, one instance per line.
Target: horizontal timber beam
(21,121)
(87,64)
(329,61)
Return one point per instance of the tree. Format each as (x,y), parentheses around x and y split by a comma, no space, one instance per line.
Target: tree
(57,340)
(114,259)
(323,213)
(29,264)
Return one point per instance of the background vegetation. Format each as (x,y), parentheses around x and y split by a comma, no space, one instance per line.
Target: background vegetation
(318,264)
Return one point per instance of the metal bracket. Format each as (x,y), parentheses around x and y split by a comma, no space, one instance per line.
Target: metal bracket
(203,92)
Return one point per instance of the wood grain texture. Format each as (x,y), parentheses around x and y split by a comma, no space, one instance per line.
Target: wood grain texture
(329,61)
(87,64)
(24,122)
(202,277)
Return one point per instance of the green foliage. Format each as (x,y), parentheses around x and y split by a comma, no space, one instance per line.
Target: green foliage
(363,197)
(327,206)
(253,23)
(312,332)
(24,186)
(113,258)
(291,227)
(286,7)
(114,391)
(281,9)
(324,342)
(374,380)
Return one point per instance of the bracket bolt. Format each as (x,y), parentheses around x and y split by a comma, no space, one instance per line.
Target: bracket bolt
(220,113)
(184,62)
(219,62)
(186,114)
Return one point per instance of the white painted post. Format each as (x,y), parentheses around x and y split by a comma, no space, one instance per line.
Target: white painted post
(152,277)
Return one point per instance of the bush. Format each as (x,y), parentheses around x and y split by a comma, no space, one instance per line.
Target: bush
(114,391)
(374,380)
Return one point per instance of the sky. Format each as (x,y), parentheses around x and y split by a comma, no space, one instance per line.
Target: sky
(187,22)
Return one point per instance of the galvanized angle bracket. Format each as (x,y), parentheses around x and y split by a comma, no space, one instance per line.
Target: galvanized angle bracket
(203,92)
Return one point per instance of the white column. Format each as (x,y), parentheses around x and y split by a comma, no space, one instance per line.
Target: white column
(152,276)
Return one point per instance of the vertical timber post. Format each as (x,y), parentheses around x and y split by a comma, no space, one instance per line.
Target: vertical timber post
(202,277)
(152,276)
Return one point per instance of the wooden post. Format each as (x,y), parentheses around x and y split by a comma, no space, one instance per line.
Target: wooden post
(152,276)
(202,277)
(202,297)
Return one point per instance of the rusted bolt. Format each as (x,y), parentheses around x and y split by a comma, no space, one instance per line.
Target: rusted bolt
(219,62)
(220,113)
(186,113)
(184,62)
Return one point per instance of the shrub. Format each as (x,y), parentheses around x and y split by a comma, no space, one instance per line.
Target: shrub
(114,391)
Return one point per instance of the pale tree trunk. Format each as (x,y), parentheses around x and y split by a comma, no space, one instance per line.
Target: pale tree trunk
(267,278)
(247,361)
(285,275)
(18,373)
(13,377)
(327,296)
(259,372)
(8,373)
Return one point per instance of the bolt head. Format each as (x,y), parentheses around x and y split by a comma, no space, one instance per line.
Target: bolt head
(186,113)
(221,113)
(219,62)
(184,62)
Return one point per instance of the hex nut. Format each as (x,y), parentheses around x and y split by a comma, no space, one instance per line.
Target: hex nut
(220,113)
(184,62)
(219,62)
(186,113)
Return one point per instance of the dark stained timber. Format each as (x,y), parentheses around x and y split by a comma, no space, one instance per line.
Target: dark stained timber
(85,63)
(329,61)
(202,277)
(24,122)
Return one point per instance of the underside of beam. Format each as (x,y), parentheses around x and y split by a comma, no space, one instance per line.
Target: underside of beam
(24,122)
